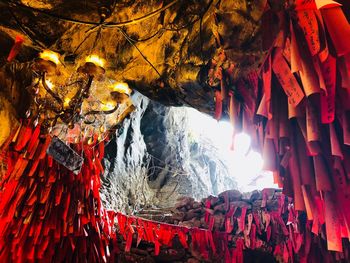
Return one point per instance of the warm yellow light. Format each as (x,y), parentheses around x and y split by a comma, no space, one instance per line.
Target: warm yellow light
(49,84)
(96,60)
(122,87)
(50,55)
(66,102)
(90,141)
(107,106)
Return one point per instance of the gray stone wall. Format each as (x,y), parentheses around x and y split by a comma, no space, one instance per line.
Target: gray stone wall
(153,160)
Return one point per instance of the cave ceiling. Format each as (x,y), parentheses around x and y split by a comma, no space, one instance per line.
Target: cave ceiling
(161,48)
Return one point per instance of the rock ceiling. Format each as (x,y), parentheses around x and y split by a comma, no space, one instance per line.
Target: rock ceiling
(161,48)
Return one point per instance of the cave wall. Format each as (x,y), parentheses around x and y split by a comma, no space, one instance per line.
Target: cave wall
(124,183)
(7,119)
(182,163)
(153,160)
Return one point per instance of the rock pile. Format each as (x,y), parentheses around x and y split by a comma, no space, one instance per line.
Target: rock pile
(229,227)
(191,213)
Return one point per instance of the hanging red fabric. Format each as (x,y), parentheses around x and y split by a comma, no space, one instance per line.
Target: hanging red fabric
(16,48)
(328,69)
(218,105)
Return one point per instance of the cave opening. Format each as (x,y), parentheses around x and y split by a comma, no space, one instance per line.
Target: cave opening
(238,154)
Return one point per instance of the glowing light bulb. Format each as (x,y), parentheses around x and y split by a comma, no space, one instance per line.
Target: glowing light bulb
(107,106)
(66,102)
(90,141)
(49,84)
(122,87)
(96,60)
(50,55)
(76,139)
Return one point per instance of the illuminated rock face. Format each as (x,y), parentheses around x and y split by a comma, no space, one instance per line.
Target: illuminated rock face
(182,164)
(153,161)
(14,99)
(7,120)
(177,44)
(125,185)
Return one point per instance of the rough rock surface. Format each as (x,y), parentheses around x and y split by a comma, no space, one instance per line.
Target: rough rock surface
(217,217)
(165,54)
(153,161)
(181,164)
(126,161)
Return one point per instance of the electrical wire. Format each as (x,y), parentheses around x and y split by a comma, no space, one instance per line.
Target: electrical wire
(82,42)
(143,56)
(161,30)
(25,31)
(184,26)
(102,25)
(105,24)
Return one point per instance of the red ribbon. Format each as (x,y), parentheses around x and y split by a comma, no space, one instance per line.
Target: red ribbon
(16,48)
(218,105)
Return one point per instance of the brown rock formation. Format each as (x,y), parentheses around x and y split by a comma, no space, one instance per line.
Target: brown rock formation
(161,48)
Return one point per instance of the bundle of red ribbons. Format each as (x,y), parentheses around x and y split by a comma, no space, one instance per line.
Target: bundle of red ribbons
(271,225)
(297,108)
(47,213)
(50,214)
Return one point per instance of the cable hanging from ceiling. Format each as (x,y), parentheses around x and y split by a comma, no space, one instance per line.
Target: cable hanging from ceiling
(104,24)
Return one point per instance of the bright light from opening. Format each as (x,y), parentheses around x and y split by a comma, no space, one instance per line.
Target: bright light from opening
(245,165)
(256,161)
(241,143)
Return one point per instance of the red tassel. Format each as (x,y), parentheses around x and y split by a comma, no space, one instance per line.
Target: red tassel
(156,242)
(253,237)
(19,168)
(33,140)
(218,105)
(207,206)
(128,242)
(328,69)
(15,48)
(45,146)
(210,241)
(242,218)
(182,234)
(237,254)
(338,28)
(101,150)
(23,137)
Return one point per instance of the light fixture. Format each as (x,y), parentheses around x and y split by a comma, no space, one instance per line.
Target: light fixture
(50,56)
(67,97)
(73,99)
(122,87)
(96,60)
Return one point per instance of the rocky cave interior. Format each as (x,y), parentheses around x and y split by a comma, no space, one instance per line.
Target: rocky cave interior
(174,131)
